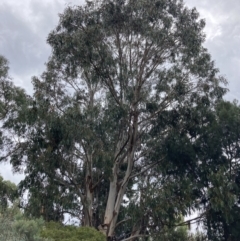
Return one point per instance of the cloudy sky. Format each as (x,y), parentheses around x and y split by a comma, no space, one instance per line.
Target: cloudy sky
(25,25)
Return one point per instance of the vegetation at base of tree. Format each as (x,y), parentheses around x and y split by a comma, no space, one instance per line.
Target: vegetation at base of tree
(127,129)
(58,232)
(14,226)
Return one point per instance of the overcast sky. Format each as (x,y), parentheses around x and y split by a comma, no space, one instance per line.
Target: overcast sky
(25,25)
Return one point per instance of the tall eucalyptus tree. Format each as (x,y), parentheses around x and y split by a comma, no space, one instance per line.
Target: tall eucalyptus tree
(116,116)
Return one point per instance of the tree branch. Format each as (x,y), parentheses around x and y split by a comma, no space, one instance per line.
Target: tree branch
(125,220)
(136,236)
(146,169)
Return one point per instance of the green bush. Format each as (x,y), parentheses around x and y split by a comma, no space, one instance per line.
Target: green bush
(58,232)
(7,232)
(15,227)
(29,228)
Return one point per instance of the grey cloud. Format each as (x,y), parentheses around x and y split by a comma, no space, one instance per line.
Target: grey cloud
(223,16)
(7,174)
(25,49)
(23,38)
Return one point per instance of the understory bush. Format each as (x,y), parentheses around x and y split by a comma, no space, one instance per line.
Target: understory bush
(58,232)
(14,226)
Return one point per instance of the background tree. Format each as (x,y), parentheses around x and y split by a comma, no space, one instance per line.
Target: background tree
(222,196)
(14,226)
(4,82)
(8,193)
(14,103)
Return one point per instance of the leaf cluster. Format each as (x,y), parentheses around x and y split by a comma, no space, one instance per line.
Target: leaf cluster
(58,232)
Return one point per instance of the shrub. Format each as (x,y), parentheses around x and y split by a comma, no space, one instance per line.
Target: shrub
(58,232)
(15,227)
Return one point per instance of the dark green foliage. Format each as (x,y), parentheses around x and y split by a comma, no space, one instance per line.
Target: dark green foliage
(14,114)
(58,232)
(12,98)
(8,193)
(222,200)
(173,234)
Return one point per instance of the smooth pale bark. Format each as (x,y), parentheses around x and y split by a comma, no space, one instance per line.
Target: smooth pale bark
(89,203)
(88,212)
(116,194)
(111,200)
